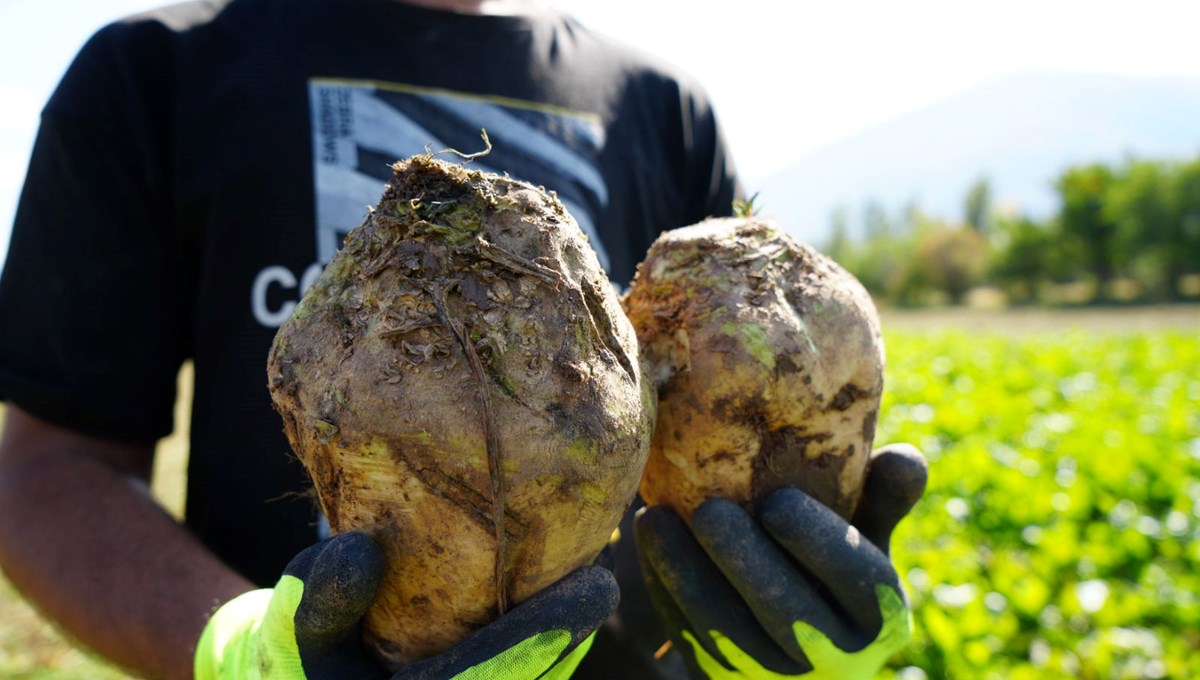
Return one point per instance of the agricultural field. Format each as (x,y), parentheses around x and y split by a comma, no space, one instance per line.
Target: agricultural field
(1060,535)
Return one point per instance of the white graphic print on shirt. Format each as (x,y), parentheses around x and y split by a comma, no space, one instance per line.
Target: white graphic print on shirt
(360,128)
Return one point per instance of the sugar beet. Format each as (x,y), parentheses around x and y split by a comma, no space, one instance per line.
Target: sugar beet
(462,385)
(768,361)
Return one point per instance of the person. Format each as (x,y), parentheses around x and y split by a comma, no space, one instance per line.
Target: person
(194,169)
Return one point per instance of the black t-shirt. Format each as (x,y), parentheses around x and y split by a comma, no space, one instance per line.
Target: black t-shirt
(198,165)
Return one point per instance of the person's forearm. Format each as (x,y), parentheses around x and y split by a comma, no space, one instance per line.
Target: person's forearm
(81,537)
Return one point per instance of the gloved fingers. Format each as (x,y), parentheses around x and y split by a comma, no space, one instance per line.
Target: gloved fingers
(533,636)
(896,478)
(834,552)
(341,578)
(676,623)
(865,662)
(690,593)
(778,591)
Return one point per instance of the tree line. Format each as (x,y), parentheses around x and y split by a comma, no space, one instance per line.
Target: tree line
(1126,232)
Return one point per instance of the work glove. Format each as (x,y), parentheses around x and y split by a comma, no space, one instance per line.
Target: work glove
(798,593)
(308,626)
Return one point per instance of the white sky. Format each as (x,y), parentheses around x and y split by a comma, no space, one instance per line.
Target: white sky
(787,76)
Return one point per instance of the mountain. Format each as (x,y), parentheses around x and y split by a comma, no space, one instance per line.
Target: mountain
(1018,130)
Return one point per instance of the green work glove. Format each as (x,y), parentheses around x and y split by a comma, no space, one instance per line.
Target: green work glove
(307,626)
(800,593)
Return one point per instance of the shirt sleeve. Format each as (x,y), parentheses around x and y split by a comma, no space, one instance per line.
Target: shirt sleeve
(94,297)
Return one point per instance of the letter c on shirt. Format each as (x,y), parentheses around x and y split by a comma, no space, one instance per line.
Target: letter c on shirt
(281,276)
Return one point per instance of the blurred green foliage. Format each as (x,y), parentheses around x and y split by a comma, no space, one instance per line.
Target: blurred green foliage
(1126,232)
(1060,534)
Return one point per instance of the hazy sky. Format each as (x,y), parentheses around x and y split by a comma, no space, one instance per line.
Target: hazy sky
(787,76)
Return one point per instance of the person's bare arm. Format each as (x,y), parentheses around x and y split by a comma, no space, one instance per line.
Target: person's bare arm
(81,537)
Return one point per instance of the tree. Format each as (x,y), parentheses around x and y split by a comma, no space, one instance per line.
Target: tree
(1029,253)
(1083,191)
(1143,205)
(979,205)
(840,246)
(876,223)
(1186,257)
(953,260)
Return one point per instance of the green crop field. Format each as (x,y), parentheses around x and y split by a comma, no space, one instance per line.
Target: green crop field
(1059,537)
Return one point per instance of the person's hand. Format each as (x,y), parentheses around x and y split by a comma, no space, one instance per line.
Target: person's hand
(307,626)
(800,593)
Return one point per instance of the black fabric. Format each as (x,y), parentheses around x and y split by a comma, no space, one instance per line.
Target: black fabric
(169,210)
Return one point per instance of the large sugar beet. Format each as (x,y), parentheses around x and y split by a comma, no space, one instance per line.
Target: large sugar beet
(462,385)
(769,365)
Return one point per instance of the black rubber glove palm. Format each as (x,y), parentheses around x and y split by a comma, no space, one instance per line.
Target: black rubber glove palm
(308,625)
(800,592)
